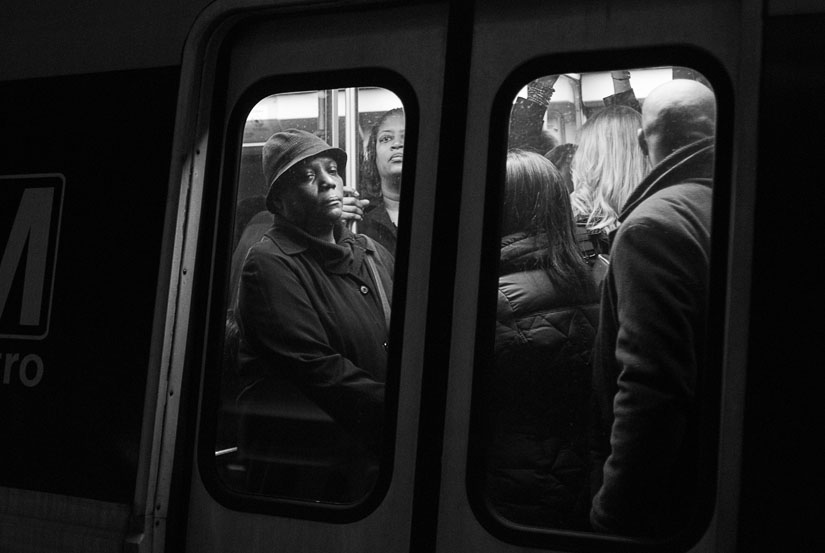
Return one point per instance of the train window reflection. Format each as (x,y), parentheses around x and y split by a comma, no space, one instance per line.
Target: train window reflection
(592,340)
(301,411)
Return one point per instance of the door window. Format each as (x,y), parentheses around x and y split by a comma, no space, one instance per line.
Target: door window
(301,412)
(594,377)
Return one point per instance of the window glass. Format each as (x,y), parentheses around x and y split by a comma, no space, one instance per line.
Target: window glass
(301,412)
(593,338)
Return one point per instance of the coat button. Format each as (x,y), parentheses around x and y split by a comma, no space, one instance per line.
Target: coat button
(364,290)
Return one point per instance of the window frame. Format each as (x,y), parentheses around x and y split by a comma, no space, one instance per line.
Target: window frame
(221,185)
(709,388)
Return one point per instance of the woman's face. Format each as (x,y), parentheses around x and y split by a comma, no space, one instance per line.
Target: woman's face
(389,147)
(315,196)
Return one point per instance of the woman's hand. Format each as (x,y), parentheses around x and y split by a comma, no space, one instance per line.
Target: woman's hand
(353,207)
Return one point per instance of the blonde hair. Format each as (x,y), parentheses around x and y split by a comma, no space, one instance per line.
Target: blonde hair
(608,165)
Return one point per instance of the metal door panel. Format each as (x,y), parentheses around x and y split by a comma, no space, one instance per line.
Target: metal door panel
(408,41)
(503,40)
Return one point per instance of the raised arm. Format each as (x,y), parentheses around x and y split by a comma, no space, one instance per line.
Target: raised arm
(623,94)
(527,116)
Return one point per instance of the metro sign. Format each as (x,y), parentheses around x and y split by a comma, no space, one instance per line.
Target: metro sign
(30,211)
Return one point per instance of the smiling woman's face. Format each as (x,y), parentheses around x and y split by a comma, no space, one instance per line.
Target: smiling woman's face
(315,195)
(389,147)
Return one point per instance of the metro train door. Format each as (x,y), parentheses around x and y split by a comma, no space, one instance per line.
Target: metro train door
(456,69)
(511,47)
(249,74)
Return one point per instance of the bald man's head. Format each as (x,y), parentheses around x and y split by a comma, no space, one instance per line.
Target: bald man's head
(674,115)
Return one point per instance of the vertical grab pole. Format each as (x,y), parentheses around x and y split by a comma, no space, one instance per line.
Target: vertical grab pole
(351,131)
(351,136)
(323,103)
(578,102)
(333,118)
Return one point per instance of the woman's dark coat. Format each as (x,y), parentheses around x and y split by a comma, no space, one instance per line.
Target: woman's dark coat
(538,393)
(311,319)
(378,225)
(309,312)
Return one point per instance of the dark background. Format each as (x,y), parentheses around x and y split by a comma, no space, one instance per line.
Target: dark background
(78,431)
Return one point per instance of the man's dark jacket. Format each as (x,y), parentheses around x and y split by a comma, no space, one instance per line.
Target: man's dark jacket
(650,348)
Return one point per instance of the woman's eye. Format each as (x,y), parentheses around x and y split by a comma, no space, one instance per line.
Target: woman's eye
(384,138)
(333,170)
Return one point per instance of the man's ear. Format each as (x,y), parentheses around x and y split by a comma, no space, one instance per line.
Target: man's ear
(643,142)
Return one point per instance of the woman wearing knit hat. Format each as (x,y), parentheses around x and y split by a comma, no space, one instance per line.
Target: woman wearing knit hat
(313,311)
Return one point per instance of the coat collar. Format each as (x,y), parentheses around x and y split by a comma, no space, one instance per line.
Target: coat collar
(521,252)
(693,163)
(343,256)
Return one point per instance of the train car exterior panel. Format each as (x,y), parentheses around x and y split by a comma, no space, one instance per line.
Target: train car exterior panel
(504,43)
(115,122)
(271,45)
(74,421)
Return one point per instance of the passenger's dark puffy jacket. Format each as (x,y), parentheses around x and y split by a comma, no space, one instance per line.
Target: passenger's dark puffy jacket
(539,392)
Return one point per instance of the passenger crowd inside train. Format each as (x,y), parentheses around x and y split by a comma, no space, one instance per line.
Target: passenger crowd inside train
(590,398)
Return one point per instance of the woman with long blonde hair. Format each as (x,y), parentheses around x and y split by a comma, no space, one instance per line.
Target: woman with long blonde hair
(607,166)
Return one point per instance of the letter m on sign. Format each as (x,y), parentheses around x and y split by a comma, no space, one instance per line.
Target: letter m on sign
(30,209)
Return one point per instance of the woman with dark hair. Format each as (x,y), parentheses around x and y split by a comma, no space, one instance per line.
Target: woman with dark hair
(537,223)
(381,178)
(539,387)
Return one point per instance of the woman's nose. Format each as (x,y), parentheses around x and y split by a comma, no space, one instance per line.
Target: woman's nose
(326,180)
